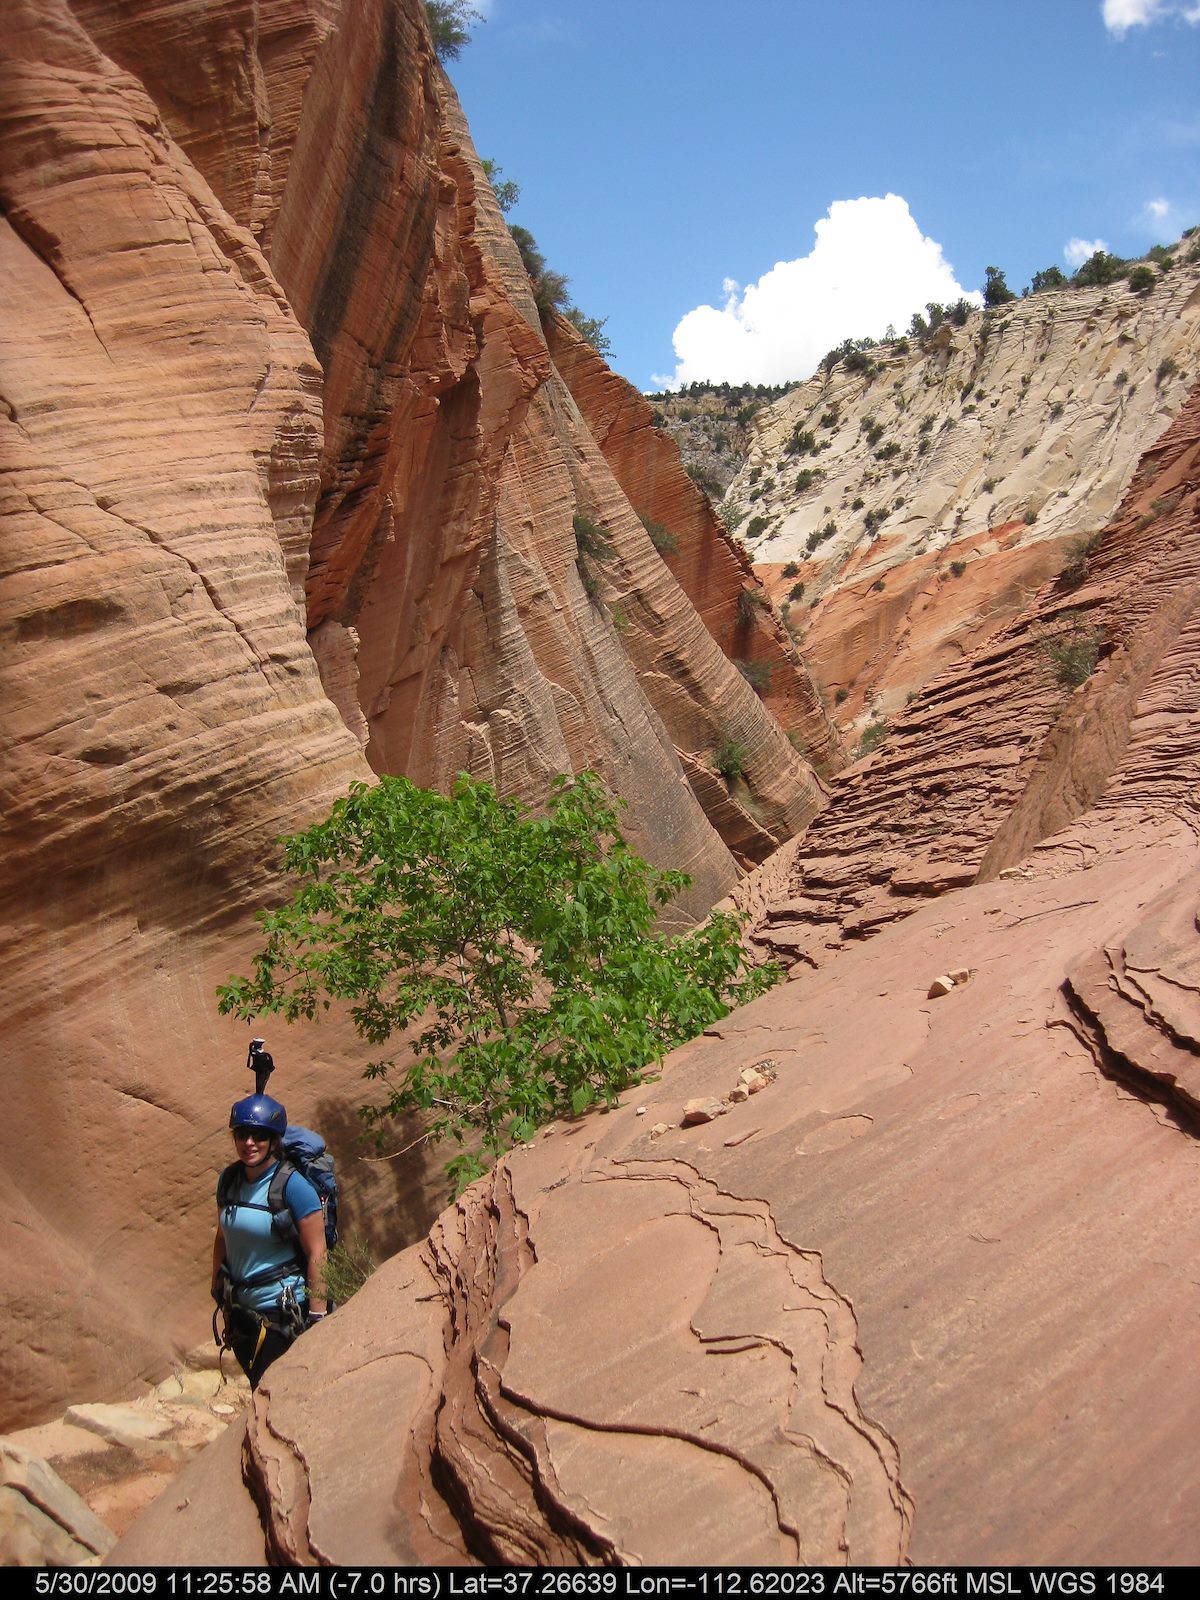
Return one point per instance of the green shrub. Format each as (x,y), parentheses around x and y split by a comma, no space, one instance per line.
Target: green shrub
(730,757)
(1099,269)
(995,290)
(757,525)
(1056,410)
(801,443)
(750,601)
(450,26)
(877,586)
(506,964)
(663,540)
(806,477)
(792,569)
(756,673)
(1167,368)
(507,192)
(841,696)
(1078,551)
(988,485)
(873,736)
(347,1267)
(1142,279)
(958,568)
(1048,278)
(888,452)
(1073,655)
(796,592)
(819,535)
(592,544)
(591,329)
(830,418)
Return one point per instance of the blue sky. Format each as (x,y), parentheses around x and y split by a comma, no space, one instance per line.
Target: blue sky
(671,153)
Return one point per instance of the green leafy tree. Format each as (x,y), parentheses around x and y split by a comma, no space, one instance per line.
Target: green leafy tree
(450,26)
(592,329)
(1099,269)
(1048,278)
(532,258)
(995,288)
(506,190)
(514,955)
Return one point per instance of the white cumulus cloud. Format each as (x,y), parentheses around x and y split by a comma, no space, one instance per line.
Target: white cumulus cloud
(1077,251)
(1121,15)
(870,267)
(1158,208)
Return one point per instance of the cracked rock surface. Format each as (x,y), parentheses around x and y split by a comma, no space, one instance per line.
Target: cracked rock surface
(927,1299)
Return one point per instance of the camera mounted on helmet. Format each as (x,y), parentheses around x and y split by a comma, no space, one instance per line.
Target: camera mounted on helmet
(259,1062)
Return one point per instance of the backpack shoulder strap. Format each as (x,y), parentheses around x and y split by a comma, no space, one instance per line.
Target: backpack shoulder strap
(226,1183)
(276,1198)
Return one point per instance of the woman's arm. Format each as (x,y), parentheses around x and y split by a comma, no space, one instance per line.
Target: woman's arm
(312,1241)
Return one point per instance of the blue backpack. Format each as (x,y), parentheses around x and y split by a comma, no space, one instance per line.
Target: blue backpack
(305,1151)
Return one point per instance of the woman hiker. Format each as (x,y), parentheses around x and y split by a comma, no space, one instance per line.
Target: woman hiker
(269,1251)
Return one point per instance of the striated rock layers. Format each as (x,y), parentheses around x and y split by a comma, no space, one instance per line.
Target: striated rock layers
(275,398)
(712,568)
(1088,704)
(895,1264)
(918,504)
(163,717)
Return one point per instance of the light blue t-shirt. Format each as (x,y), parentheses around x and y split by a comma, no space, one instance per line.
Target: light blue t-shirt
(252,1245)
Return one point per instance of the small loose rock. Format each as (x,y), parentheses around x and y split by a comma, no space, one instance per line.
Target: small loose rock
(696,1111)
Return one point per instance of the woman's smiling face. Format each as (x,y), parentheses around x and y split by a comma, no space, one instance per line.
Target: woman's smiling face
(253,1147)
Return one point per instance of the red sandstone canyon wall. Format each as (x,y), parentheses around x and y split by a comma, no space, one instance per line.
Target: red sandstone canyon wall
(289,480)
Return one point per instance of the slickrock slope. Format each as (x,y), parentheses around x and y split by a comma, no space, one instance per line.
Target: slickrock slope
(956,476)
(274,396)
(926,1296)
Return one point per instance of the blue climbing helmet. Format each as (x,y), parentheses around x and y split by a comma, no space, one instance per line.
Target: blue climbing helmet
(259,1111)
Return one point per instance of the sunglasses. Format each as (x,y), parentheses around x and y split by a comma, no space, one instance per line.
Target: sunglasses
(251,1135)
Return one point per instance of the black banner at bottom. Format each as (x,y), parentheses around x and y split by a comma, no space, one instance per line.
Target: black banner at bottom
(616,1583)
